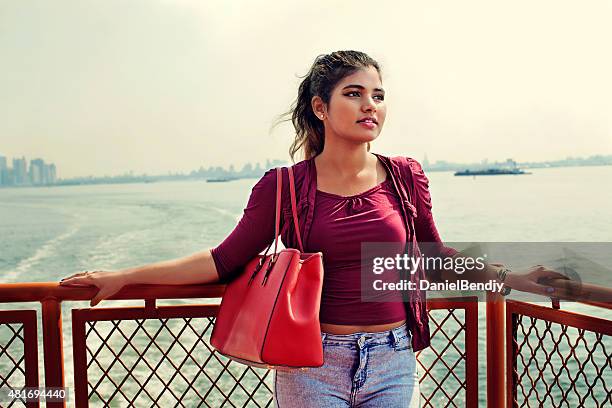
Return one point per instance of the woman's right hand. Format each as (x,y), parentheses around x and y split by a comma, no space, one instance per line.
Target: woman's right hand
(108,283)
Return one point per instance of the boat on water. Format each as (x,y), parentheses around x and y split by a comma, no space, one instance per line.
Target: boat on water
(219,180)
(508,167)
(490,172)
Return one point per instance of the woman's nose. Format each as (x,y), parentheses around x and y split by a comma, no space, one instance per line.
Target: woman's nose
(369,108)
(369,105)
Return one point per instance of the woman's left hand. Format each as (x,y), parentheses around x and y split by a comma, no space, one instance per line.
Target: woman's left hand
(534,280)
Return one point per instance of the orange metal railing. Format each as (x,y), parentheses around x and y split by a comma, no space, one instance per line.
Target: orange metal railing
(450,366)
(557,358)
(19,327)
(160,355)
(50,295)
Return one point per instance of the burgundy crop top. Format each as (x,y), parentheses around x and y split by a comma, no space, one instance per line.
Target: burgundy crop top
(339,226)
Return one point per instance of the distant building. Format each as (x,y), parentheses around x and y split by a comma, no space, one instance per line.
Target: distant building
(20,174)
(3,171)
(52,174)
(37,172)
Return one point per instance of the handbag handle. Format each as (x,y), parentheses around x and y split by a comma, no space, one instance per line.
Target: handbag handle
(279,188)
(277,217)
(294,209)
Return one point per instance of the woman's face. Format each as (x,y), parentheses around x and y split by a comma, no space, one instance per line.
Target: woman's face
(356,110)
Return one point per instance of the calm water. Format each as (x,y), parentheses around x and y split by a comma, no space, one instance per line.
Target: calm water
(49,233)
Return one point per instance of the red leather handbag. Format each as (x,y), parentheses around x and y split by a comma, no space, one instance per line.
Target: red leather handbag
(269,314)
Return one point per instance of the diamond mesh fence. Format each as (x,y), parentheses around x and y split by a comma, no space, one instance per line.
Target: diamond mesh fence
(18,351)
(563,363)
(167,362)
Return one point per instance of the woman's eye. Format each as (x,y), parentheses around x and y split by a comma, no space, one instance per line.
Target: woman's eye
(356,93)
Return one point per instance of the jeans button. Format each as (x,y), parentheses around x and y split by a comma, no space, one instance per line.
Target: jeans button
(361,341)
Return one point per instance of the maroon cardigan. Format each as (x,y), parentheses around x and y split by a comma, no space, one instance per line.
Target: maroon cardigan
(255,230)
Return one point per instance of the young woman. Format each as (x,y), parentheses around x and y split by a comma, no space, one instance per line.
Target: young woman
(346,196)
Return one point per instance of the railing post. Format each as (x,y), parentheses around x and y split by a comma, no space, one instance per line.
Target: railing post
(53,346)
(471,352)
(495,351)
(511,354)
(79,358)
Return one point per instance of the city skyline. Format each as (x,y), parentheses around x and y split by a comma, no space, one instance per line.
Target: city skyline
(39,173)
(425,160)
(167,85)
(45,174)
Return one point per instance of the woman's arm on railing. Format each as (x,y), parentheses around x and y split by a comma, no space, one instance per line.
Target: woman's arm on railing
(193,269)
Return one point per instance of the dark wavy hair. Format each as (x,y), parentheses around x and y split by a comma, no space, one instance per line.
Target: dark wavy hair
(325,73)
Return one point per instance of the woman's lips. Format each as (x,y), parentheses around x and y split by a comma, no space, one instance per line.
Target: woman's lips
(368,124)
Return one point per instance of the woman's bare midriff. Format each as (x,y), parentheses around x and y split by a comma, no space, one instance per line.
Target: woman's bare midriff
(347,329)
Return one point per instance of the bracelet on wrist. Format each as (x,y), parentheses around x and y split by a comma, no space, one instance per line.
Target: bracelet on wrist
(502,273)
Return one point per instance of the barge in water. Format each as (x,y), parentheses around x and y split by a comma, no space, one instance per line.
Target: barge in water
(489,172)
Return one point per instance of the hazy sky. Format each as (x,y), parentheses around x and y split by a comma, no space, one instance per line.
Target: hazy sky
(108,86)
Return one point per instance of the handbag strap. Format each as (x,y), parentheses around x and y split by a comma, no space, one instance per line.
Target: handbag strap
(279,189)
(277,218)
(294,209)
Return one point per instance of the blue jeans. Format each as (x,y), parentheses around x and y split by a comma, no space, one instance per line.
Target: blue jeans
(363,370)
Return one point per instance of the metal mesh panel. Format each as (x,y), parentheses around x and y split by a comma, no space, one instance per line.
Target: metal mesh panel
(167,362)
(18,352)
(557,365)
(443,365)
(163,358)
(12,358)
